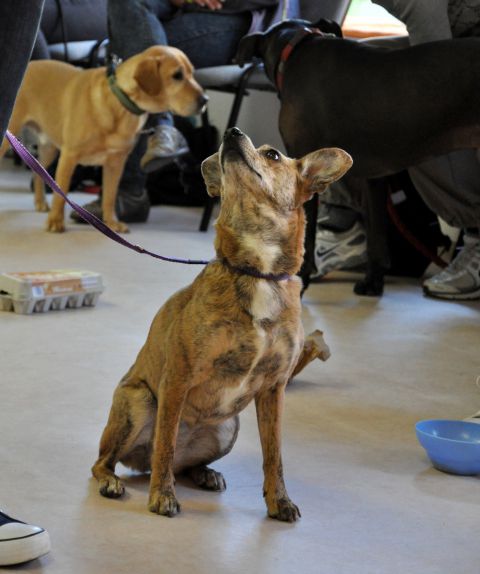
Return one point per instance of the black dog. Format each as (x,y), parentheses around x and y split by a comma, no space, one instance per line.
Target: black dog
(390,109)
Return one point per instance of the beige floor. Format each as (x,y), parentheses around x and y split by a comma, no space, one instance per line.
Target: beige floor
(370,501)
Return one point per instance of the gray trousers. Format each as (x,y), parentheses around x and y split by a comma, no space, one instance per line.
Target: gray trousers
(19,20)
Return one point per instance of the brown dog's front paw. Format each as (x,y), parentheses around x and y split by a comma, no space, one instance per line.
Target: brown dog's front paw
(284,509)
(111,487)
(55,223)
(208,478)
(164,503)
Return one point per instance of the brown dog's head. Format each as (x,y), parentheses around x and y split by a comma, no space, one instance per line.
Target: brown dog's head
(161,79)
(262,192)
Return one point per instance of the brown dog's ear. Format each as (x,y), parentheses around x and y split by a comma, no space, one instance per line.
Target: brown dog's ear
(321,167)
(248,48)
(212,174)
(147,76)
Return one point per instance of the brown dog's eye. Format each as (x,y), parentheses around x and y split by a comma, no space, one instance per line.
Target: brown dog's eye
(272,154)
(178,75)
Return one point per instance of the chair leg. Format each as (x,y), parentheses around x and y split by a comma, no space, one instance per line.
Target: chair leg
(239,94)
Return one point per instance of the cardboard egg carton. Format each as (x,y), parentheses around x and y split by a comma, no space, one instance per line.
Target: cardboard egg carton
(41,291)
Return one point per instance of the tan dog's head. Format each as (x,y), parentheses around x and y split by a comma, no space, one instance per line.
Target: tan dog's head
(161,79)
(263,192)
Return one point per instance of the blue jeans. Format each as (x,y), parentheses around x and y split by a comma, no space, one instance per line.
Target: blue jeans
(19,20)
(207,38)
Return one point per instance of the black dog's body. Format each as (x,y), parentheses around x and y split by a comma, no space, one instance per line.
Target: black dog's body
(390,109)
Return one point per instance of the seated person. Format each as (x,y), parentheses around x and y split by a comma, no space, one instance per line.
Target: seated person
(70,21)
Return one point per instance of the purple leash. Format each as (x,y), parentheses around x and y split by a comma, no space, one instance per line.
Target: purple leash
(28,158)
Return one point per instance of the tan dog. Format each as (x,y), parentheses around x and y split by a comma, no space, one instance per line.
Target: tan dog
(77,112)
(232,336)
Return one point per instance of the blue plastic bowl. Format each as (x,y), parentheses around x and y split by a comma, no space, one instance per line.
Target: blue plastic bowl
(452,446)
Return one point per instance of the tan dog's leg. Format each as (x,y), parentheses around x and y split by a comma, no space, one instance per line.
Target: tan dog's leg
(66,164)
(269,404)
(127,436)
(112,172)
(313,348)
(172,391)
(47,152)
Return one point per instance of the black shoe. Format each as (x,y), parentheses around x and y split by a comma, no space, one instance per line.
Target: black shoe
(129,208)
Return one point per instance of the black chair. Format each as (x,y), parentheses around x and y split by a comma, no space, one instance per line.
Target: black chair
(74,31)
(237,80)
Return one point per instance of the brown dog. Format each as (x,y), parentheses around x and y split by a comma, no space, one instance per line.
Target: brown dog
(77,112)
(232,336)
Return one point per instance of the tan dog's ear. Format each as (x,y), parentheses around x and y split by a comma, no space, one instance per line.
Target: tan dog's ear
(147,76)
(212,174)
(321,167)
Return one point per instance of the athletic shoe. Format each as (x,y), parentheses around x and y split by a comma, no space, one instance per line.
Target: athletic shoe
(339,249)
(129,208)
(163,147)
(20,542)
(461,279)
(473,418)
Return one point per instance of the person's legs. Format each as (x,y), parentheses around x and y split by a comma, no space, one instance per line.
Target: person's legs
(19,20)
(18,28)
(208,39)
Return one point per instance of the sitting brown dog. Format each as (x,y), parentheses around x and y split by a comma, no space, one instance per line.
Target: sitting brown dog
(233,335)
(94,118)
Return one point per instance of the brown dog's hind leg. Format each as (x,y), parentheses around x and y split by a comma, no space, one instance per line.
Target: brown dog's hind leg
(313,348)
(127,436)
(200,446)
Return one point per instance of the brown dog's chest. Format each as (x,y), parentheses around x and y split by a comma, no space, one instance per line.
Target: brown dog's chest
(254,362)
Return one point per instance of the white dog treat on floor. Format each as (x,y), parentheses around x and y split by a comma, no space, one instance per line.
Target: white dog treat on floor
(40,291)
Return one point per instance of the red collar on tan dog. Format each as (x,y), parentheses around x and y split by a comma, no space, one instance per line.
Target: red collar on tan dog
(288,49)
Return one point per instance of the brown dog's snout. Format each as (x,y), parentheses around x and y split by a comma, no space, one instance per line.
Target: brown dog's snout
(232,133)
(232,139)
(232,143)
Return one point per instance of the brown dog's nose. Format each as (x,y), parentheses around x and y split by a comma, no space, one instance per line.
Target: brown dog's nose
(232,133)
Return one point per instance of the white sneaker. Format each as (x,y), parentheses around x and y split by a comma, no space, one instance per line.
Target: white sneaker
(20,542)
(461,279)
(339,249)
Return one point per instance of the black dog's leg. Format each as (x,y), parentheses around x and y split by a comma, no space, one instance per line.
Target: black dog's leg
(375,197)
(308,267)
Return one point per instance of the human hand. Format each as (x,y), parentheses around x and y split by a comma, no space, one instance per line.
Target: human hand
(211,4)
